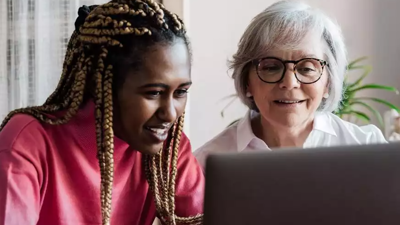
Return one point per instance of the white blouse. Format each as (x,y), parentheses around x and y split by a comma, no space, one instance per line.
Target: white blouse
(328,130)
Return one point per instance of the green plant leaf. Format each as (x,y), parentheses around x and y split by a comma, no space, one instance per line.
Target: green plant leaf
(357,114)
(363,67)
(388,104)
(229,96)
(352,63)
(370,108)
(376,86)
(226,106)
(235,121)
(367,70)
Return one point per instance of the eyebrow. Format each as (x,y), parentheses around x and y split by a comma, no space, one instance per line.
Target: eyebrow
(161,85)
(308,56)
(301,56)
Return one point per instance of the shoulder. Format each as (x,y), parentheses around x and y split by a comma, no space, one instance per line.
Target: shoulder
(184,144)
(189,181)
(225,141)
(366,134)
(21,130)
(222,141)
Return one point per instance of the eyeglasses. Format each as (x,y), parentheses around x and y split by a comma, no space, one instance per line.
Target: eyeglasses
(306,71)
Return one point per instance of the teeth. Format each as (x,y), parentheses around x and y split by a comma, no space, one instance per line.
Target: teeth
(158,131)
(288,102)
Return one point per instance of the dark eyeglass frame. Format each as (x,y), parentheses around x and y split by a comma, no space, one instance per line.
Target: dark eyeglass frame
(257,62)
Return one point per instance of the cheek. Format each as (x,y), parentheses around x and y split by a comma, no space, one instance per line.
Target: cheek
(252,81)
(317,90)
(312,91)
(259,89)
(180,105)
(134,111)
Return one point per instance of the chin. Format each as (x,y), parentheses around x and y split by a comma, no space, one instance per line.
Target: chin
(287,120)
(147,149)
(153,150)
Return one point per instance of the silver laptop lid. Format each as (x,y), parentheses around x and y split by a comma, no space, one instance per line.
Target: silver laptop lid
(346,185)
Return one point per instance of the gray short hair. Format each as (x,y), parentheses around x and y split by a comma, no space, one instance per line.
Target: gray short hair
(283,25)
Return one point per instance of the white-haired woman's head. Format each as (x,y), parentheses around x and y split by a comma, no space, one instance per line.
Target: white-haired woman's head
(264,66)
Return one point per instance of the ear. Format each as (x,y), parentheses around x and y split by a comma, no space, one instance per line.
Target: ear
(326,91)
(248,92)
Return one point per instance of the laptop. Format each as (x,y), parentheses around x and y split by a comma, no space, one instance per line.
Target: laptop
(346,185)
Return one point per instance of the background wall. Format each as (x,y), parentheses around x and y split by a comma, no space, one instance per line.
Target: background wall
(215,26)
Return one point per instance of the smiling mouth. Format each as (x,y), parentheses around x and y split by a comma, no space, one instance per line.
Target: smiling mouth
(158,131)
(289,101)
(159,134)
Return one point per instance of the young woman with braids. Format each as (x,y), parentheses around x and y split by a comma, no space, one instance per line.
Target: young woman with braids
(107,146)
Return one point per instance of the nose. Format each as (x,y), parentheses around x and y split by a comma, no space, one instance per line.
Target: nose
(167,111)
(289,80)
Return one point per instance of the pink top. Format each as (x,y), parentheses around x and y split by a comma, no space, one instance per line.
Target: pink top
(49,175)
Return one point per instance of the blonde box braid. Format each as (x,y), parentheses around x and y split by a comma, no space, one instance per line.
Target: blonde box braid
(84,71)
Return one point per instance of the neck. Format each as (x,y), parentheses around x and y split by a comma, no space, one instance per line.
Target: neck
(276,136)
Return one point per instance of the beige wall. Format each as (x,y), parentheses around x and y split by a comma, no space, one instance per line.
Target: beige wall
(175,6)
(215,26)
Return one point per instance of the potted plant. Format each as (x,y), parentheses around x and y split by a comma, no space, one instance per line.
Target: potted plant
(350,100)
(348,105)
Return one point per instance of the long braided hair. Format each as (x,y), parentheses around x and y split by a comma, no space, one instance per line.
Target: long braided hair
(104,39)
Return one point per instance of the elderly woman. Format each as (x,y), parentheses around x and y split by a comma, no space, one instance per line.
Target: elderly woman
(289,70)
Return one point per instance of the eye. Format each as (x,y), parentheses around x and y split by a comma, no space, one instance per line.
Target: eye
(153,93)
(181,93)
(307,69)
(270,68)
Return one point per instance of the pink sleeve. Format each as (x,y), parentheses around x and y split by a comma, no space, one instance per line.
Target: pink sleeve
(19,190)
(20,171)
(189,182)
